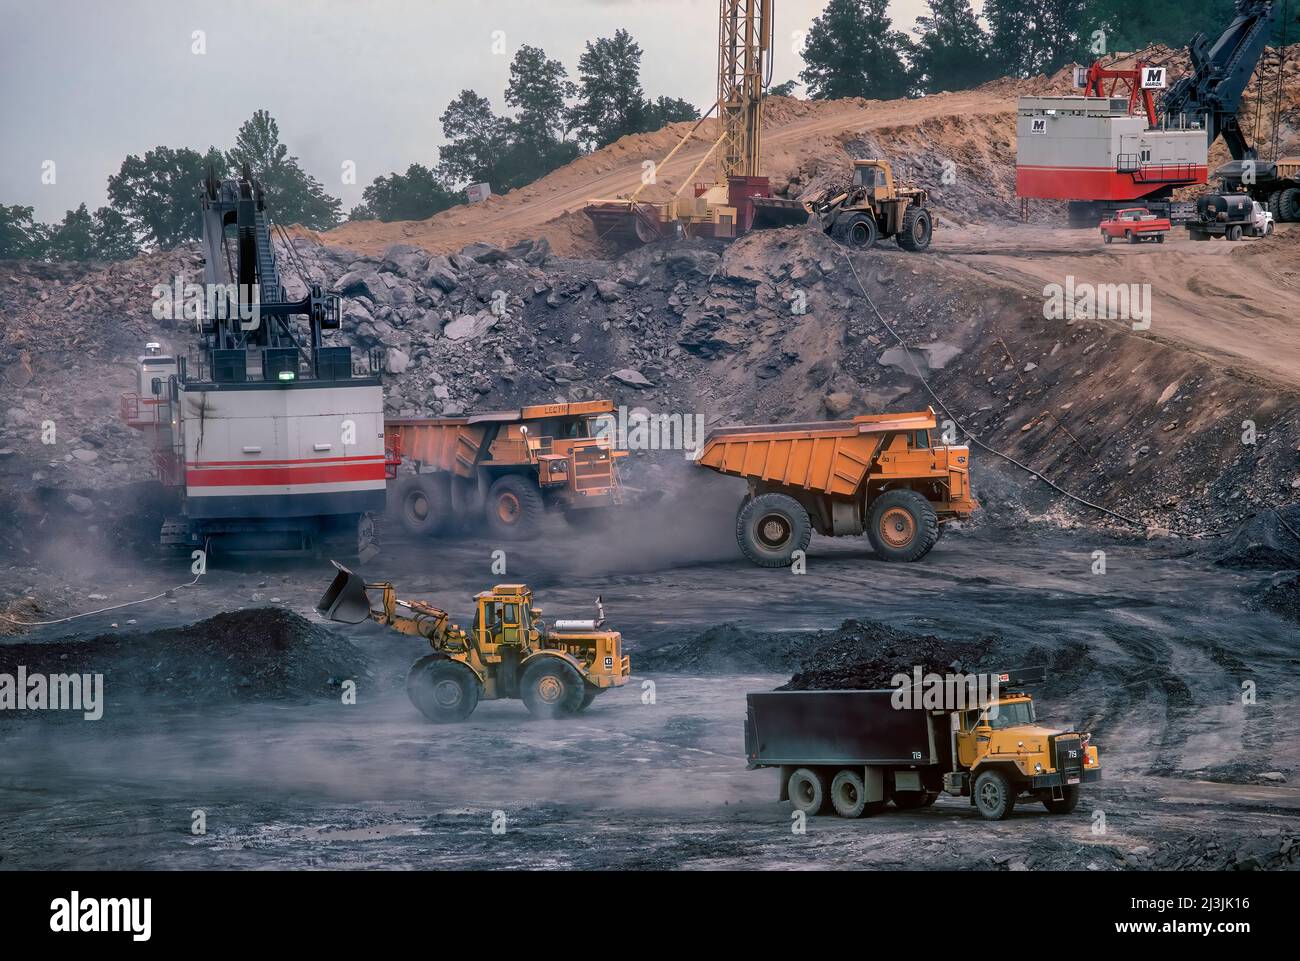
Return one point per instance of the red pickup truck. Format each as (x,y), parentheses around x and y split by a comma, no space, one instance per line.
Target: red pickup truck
(1135,224)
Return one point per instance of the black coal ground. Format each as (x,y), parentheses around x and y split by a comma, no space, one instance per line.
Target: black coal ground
(1150,657)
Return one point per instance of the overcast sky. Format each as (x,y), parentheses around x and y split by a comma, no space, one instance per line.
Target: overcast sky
(84,83)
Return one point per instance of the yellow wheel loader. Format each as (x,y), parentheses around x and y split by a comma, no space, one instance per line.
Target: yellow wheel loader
(508,652)
(875,206)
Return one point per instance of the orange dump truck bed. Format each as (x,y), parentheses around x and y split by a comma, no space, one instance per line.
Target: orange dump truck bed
(829,457)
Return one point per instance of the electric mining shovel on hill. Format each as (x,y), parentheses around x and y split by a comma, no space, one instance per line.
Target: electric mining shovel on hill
(508,652)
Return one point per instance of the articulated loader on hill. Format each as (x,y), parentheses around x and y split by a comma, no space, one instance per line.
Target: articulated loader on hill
(877,473)
(508,652)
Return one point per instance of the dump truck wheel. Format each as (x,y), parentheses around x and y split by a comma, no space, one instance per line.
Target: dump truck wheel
(424,503)
(1288,205)
(808,790)
(552,688)
(445,691)
(903,526)
(910,800)
(514,508)
(858,231)
(917,229)
(994,798)
(1065,805)
(849,794)
(771,527)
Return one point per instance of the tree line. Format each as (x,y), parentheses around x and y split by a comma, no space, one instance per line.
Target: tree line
(851,50)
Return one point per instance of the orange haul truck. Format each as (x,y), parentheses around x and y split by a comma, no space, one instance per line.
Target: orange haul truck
(877,473)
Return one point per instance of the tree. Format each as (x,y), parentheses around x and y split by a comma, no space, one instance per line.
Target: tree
(111,236)
(610,101)
(476,140)
(1034,37)
(953,52)
(665,110)
(292,194)
(74,238)
(21,237)
(852,50)
(159,193)
(1130,26)
(538,91)
(416,195)
(784,89)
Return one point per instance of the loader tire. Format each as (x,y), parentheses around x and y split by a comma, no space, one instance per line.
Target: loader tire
(858,231)
(771,527)
(1065,805)
(1288,205)
(994,797)
(589,692)
(808,790)
(916,231)
(903,526)
(514,508)
(424,503)
(552,688)
(444,690)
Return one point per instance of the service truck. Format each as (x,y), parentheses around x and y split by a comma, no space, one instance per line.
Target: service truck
(855,751)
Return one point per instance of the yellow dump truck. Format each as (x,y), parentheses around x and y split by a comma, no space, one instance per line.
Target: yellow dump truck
(878,473)
(855,751)
(506,468)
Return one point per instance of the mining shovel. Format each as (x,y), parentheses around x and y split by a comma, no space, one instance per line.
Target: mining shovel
(345,600)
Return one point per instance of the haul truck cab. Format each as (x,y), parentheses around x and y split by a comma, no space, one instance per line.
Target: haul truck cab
(855,751)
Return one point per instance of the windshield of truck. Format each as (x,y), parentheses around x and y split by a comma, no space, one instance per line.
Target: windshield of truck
(1012,715)
(604,427)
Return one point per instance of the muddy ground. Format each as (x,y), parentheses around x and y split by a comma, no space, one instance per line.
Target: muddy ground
(1151,656)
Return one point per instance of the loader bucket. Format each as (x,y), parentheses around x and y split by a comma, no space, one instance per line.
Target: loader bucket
(345,600)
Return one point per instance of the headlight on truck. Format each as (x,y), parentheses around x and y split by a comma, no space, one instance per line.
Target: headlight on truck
(1038,767)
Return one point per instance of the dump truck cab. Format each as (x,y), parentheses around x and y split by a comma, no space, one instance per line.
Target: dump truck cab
(1001,753)
(878,474)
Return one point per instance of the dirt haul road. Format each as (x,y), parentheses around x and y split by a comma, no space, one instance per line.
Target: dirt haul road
(1151,656)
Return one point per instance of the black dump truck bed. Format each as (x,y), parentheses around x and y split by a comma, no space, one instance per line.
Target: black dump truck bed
(841,728)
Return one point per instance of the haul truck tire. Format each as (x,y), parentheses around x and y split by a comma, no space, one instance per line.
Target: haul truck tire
(993,795)
(1288,205)
(424,503)
(1275,205)
(903,526)
(514,508)
(771,527)
(808,790)
(445,691)
(551,688)
(917,230)
(1065,805)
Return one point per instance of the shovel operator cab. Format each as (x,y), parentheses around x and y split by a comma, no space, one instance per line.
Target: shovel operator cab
(508,652)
